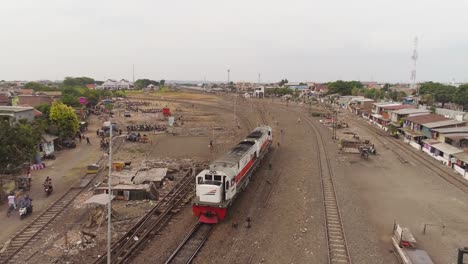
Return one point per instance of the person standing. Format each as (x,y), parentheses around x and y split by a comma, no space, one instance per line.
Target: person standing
(87,141)
(12,201)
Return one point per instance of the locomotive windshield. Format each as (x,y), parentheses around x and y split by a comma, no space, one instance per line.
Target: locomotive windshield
(210,179)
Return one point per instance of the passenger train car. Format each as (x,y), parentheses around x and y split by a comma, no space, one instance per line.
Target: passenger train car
(226,177)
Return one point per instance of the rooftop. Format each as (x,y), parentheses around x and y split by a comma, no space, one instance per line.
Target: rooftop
(456,136)
(397,107)
(386,103)
(15,108)
(461,156)
(443,123)
(463,129)
(447,149)
(424,119)
(408,111)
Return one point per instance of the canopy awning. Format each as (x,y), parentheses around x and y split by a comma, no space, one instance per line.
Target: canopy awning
(447,149)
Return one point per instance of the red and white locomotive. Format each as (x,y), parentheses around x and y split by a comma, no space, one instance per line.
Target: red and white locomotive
(226,177)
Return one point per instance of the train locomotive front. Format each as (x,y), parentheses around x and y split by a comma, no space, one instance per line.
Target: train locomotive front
(219,185)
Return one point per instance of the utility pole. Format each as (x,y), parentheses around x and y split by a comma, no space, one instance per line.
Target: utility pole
(109,205)
(335,117)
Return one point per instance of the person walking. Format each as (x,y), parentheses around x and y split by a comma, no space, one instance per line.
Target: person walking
(79,139)
(87,141)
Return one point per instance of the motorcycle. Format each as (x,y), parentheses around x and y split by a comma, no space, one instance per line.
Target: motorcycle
(48,189)
(25,211)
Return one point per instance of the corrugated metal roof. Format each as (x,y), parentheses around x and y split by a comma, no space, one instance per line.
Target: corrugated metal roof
(155,174)
(408,111)
(461,156)
(396,107)
(443,123)
(446,148)
(449,130)
(424,119)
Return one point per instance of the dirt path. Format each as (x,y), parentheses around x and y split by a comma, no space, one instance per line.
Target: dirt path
(68,167)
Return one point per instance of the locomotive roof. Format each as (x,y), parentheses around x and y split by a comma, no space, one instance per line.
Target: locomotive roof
(233,156)
(255,134)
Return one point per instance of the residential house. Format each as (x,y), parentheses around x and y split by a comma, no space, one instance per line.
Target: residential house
(117,85)
(16,113)
(34,100)
(441,133)
(442,152)
(460,164)
(91,86)
(356,105)
(414,130)
(343,101)
(397,115)
(380,112)
(5,99)
(321,88)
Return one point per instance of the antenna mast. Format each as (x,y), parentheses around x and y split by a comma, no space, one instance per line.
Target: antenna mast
(414,58)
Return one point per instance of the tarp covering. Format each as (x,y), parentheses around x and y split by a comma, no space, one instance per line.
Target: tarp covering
(102,199)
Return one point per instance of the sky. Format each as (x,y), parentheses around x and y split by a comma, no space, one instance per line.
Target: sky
(301,40)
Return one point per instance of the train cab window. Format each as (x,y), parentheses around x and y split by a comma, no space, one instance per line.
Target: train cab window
(217,178)
(200,180)
(209,177)
(269,132)
(227,185)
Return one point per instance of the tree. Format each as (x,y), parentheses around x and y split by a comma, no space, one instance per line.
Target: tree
(19,145)
(343,87)
(162,82)
(38,87)
(44,109)
(386,87)
(283,82)
(79,81)
(65,118)
(143,83)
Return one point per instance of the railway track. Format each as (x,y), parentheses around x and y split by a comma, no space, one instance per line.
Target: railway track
(153,222)
(191,244)
(458,182)
(336,240)
(20,246)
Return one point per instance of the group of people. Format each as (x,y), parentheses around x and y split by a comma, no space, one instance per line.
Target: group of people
(145,127)
(26,201)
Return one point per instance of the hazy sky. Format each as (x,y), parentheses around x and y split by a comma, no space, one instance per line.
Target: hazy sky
(302,40)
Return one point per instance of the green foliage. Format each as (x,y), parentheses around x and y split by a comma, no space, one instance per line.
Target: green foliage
(280,91)
(19,144)
(445,93)
(38,87)
(65,119)
(162,82)
(142,83)
(283,82)
(343,87)
(44,109)
(79,81)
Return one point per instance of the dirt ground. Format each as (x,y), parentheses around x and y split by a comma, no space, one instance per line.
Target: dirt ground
(66,170)
(285,203)
(187,147)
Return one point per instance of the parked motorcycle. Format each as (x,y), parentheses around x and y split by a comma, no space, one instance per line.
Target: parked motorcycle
(25,211)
